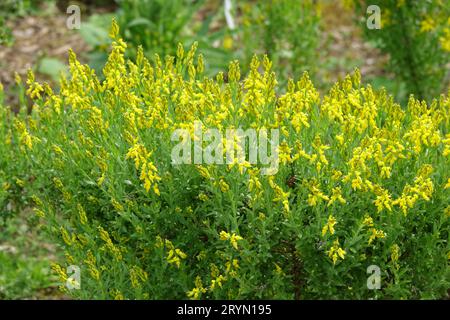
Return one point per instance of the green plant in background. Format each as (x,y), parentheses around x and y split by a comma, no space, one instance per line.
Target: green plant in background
(416,35)
(286,30)
(14,170)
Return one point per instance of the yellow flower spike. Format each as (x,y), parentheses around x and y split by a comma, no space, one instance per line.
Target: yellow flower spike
(224,187)
(200,64)
(104,235)
(148,171)
(60,272)
(228,42)
(180,253)
(383,201)
(340,139)
(217,282)
(39,213)
(447,185)
(17,78)
(278,269)
(336,252)
(395,255)
(224,235)
(336,196)
(234,74)
(234,240)
(375,234)
(203,197)
(137,276)
(427,25)
(91,262)
(117,295)
(447,212)
(69,258)
(368,221)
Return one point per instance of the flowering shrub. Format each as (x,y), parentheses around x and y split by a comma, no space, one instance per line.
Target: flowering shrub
(286,30)
(361,182)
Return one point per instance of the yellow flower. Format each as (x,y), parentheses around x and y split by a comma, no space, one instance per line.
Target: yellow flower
(65,236)
(60,272)
(395,254)
(234,240)
(217,282)
(34,89)
(91,262)
(340,139)
(104,235)
(117,295)
(203,196)
(447,212)
(383,200)
(447,185)
(228,42)
(445,41)
(149,173)
(224,187)
(385,172)
(39,213)
(114,31)
(174,255)
(278,269)
(336,252)
(224,235)
(329,226)
(368,221)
